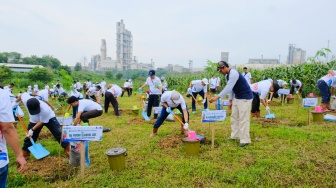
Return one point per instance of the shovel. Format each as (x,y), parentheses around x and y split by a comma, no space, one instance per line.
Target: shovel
(196,102)
(37,150)
(144,114)
(178,119)
(269,115)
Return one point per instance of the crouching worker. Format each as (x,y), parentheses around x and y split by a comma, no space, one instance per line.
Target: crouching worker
(171,100)
(40,114)
(111,94)
(87,109)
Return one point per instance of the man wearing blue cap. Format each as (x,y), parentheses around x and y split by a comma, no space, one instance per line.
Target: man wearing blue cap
(155,91)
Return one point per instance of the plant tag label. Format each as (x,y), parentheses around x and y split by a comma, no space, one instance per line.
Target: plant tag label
(225,102)
(213,116)
(157,110)
(309,102)
(82,133)
(67,121)
(283,91)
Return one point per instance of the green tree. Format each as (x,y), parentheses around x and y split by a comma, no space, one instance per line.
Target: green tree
(66,68)
(5,73)
(119,75)
(109,74)
(3,58)
(40,74)
(78,67)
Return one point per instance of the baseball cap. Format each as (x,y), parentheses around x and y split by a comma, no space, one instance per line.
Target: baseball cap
(151,72)
(205,81)
(33,106)
(176,97)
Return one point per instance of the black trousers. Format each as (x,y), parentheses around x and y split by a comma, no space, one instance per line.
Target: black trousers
(126,89)
(85,116)
(153,101)
(303,95)
(53,126)
(110,98)
(255,103)
(130,91)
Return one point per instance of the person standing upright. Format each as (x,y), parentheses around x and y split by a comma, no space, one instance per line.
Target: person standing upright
(214,84)
(155,91)
(247,75)
(324,85)
(240,101)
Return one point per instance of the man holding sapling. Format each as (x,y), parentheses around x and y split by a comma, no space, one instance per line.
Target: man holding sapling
(323,85)
(240,99)
(171,100)
(262,88)
(87,109)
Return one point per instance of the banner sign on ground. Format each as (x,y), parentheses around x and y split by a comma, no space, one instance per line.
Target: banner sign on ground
(67,121)
(82,133)
(157,110)
(283,91)
(213,115)
(308,102)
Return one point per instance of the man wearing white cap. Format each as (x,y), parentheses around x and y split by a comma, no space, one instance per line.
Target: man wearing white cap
(171,100)
(199,87)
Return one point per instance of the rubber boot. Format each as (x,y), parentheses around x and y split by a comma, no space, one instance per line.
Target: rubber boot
(324,107)
(26,154)
(257,114)
(154,132)
(329,107)
(67,150)
(254,114)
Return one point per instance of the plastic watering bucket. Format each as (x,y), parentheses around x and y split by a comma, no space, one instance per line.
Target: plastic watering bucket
(192,135)
(318,109)
(192,146)
(116,158)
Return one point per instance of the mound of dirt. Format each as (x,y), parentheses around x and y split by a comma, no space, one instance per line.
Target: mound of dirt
(51,169)
(124,111)
(45,134)
(170,141)
(266,122)
(273,103)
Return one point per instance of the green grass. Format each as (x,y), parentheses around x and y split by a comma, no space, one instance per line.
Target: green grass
(289,153)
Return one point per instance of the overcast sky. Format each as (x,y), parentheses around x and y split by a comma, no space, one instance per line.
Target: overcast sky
(173,31)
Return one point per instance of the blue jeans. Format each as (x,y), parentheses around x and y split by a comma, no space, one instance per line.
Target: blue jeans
(3,176)
(193,107)
(164,114)
(324,91)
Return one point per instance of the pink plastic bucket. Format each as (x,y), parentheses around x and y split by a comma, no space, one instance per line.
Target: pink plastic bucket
(318,109)
(192,135)
(311,95)
(290,96)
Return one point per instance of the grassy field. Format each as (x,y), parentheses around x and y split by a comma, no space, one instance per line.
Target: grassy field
(285,152)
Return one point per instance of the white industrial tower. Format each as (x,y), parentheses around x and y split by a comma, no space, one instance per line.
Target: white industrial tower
(124,47)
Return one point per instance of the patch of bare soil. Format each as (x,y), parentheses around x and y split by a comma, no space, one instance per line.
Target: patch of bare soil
(125,111)
(170,141)
(139,120)
(266,122)
(45,134)
(51,169)
(273,103)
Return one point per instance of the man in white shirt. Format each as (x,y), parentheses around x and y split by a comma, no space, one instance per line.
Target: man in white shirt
(103,86)
(324,85)
(171,100)
(29,89)
(46,86)
(79,96)
(126,87)
(199,87)
(43,95)
(36,88)
(298,86)
(88,84)
(247,76)
(130,86)
(8,135)
(261,89)
(40,115)
(155,91)
(78,86)
(113,91)
(164,84)
(87,109)
(214,84)
(9,87)
(94,93)
(60,90)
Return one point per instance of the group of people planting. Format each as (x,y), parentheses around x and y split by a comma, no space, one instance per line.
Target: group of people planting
(244,102)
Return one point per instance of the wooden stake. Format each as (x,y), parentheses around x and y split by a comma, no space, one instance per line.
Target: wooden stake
(82,158)
(308,116)
(213,137)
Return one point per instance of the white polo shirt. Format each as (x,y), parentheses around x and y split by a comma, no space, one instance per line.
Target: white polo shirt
(329,79)
(298,83)
(166,98)
(46,112)
(92,91)
(6,115)
(126,85)
(214,82)
(197,86)
(86,105)
(43,94)
(154,85)
(247,77)
(115,90)
(262,88)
